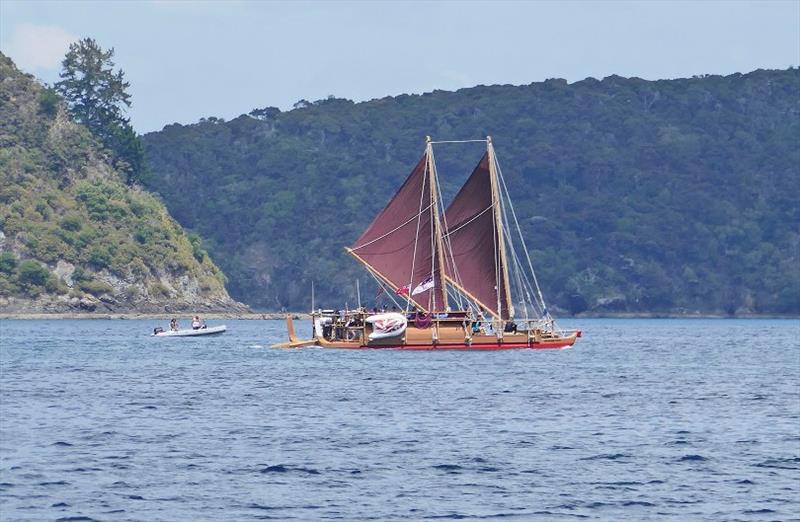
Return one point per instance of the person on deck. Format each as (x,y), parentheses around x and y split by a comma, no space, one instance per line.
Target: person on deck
(173,325)
(196,323)
(477,326)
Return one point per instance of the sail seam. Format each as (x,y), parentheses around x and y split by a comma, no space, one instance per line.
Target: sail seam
(412,218)
(473,218)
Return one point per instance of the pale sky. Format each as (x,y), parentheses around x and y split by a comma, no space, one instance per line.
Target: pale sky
(190,59)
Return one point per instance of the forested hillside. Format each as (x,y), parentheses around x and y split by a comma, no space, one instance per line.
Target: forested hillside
(657,196)
(73,236)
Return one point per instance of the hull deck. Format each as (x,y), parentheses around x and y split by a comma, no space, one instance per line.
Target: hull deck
(440,335)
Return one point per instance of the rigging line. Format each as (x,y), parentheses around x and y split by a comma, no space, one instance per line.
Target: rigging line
(416,237)
(520,274)
(434,245)
(518,280)
(500,271)
(521,279)
(473,218)
(496,245)
(519,233)
(434,256)
(467,303)
(514,266)
(525,284)
(458,141)
(519,230)
(446,239)
(386,291)
(412,218)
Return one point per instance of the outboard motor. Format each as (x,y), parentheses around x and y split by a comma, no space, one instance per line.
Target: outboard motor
(157,330)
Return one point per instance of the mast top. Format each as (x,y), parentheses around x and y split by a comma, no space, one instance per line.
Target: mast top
(488,139)
(427,140)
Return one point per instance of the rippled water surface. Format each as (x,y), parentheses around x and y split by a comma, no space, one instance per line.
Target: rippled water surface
(642,419)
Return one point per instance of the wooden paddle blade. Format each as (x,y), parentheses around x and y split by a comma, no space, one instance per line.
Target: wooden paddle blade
(290,329)
(296,344)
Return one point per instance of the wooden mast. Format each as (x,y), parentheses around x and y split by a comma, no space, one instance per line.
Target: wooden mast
(498,219)
(437,227)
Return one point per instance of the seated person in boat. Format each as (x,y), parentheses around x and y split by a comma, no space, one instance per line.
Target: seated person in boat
(173,325)
(480,325)
(197,324)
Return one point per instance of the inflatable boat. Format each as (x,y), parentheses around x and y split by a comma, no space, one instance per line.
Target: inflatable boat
(211,330)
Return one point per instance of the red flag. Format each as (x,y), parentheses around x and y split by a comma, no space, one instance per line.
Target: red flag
(403,290)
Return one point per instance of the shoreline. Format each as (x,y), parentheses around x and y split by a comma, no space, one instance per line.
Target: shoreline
(666,315)
(305,316)
(263,316)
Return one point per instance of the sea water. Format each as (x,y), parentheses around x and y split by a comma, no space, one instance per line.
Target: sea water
(642,419)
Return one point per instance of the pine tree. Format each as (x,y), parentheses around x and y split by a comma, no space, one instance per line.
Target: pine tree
(97,97)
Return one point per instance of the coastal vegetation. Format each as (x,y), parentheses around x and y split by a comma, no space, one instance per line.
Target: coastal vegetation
(671,196)
(73,234)
(96,96)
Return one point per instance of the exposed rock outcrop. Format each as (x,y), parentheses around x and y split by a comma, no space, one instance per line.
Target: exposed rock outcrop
(73,236)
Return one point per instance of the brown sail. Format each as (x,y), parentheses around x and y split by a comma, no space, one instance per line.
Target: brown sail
(407,247)
(473,262)
(402,235)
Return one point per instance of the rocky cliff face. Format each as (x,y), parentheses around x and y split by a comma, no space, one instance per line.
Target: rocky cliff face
(73,236)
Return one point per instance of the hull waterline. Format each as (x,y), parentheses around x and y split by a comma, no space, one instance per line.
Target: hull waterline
(559,344)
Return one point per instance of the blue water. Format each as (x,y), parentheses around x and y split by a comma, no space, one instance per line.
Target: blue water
(642,419)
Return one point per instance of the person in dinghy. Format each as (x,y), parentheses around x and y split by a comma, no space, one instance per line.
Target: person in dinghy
(199,328)
(197,323)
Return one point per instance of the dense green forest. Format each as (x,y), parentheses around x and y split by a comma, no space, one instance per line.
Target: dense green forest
(658,196)
(73,235)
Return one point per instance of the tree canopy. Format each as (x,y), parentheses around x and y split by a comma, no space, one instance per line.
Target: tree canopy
(71,232)
(97,96)
(633,195)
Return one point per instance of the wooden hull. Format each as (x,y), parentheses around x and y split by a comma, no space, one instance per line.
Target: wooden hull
(449,334)
(441,334)
(556,344)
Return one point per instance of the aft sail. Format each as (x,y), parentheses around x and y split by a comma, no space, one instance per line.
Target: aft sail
(474,260)
(423,252)
(402,246)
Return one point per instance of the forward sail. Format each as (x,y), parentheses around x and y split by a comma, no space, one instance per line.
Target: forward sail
(426,253)
(474,261)
(401,246)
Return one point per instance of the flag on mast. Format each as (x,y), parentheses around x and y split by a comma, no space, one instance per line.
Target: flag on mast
(425,285)
(403,290)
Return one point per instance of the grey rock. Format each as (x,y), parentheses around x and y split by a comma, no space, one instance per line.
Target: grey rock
(64,271)
(87,304)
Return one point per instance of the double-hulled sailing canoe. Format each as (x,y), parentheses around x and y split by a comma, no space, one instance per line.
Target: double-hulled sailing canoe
(461,276)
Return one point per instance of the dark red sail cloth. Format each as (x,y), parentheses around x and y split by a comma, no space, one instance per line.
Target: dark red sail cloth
(387,246)
(470,261)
